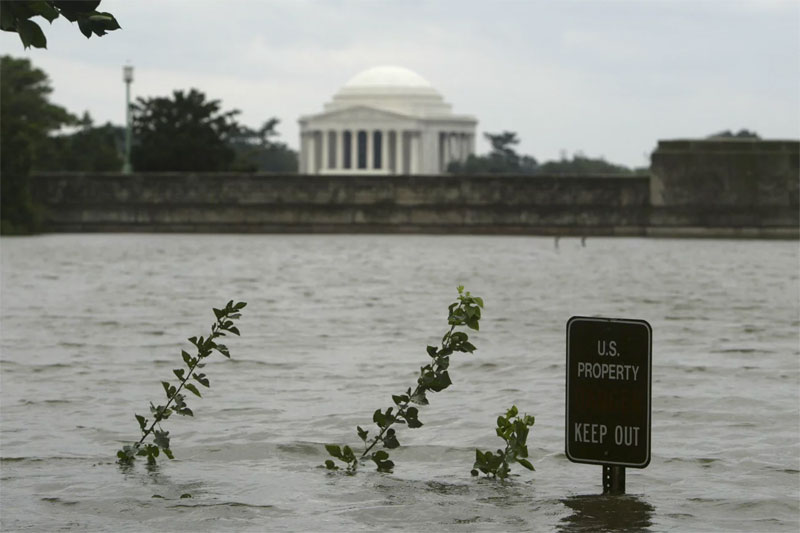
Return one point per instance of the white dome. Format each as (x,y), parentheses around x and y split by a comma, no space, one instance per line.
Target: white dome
(391,88)
(388,76)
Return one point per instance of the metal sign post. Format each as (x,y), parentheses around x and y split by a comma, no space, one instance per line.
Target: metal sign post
(608,395)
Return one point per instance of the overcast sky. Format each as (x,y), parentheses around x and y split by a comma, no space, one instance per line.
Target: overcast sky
(605,78)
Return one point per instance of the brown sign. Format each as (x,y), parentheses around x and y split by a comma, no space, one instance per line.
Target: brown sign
(608,391)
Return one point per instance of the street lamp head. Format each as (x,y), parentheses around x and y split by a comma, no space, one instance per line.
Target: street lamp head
(127,73)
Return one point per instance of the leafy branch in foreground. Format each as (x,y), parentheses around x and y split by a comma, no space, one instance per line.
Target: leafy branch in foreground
(433,377)
(176,402)
(514,430)
(16,15)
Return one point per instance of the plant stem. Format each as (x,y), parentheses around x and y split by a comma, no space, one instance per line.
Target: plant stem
(159,418)
(401,408)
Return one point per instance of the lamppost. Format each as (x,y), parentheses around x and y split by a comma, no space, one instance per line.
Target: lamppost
(127,76)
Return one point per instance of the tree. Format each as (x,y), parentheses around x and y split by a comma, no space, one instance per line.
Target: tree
(742,134)
(185,132)
(582,165)
(16,15)
(257,151)
(88,149)
(503,159)
(26,119)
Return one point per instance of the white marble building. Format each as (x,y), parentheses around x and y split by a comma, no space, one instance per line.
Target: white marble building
(385,120)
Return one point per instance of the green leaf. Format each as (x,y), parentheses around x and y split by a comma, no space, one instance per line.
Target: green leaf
(399,399)
(441,382)
(380,455)
(334,450)
(472,323)
(221,348)
(459,337)
(178,373)
(240,305)
(432,350)
(31,34)
(168,453)
(390,440)
(188,359)
(45,9)
(219,313)
(185,495)
(85,26)
(161,439)
(347,454)
(330,465)
(527,464)
(420,398)
(411,418)
(362,434)
(193,389)
(142,421)
(385,466)
(202,379)
(468,347)
(234,330)
(8,21)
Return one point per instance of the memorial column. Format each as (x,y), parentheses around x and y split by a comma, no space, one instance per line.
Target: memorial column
(398,152)
(385,151)
(326,163)
(414,163)
(310,145)
(339,165)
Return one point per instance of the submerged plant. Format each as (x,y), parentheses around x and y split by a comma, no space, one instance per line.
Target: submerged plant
(514,430)
(433,377)
(176,402)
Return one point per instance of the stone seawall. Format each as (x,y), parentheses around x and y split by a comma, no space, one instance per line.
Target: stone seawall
(297,203)
(541,205)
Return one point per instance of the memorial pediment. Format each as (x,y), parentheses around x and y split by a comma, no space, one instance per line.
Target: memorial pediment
(359,114)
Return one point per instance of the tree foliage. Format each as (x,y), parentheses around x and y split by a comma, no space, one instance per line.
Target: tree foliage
(741,134)
(503,159)
(89,148)
(580,164)
(16,15)
(182,132)
(27,117)
(258,150)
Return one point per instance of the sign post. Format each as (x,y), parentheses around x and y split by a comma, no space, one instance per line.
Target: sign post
(608,395)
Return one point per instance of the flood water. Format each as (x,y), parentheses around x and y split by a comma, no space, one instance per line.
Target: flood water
(337,324)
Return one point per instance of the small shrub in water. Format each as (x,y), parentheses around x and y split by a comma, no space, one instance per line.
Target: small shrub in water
(513,429)
(433,377)
(176,402)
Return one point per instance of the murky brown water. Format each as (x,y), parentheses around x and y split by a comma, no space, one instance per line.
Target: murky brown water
(334,326)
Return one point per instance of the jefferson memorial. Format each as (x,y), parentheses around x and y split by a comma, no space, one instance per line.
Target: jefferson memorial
(385,120)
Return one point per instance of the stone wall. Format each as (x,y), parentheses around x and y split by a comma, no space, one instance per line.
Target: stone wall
(301,203)
(712,188)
